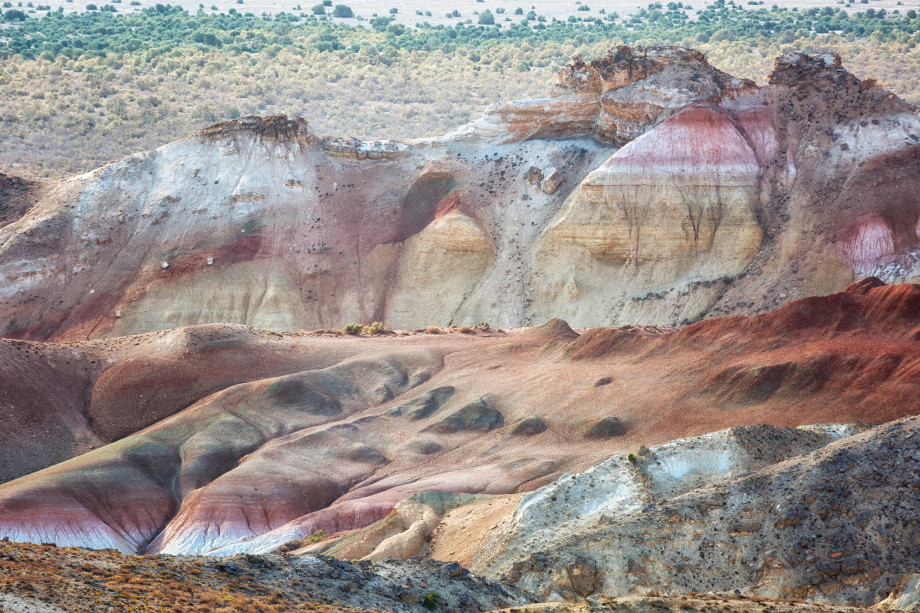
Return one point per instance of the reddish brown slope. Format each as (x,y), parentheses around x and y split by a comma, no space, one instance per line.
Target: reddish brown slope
(61,400)
(337,443)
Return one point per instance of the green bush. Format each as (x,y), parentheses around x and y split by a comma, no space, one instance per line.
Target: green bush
(353,328)
(343,12)
(486,18)
(430,601)
(375,328)
(316,537)
(632,458)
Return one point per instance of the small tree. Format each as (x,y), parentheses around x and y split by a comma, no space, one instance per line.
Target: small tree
(486,18)
(319,9)
(342,11)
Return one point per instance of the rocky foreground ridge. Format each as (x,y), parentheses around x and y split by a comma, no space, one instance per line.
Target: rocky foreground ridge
(649,188)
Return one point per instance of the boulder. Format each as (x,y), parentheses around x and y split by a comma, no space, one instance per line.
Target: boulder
(533,176)
(529,426)
(551,181)
(584,576)
(608,427)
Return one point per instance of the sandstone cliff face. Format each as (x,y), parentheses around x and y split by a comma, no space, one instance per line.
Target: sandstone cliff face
(678,203)
(724,198)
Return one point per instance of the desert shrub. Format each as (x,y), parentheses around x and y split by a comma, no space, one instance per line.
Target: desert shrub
(291,546)
(342,11)
(353,328)
(632,458)
(432,330)
(465,330)
(486,18)
(375,328)
(430,601)
(316,537)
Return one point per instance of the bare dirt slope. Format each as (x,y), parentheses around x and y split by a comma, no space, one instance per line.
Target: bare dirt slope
(335,431)
(702,603)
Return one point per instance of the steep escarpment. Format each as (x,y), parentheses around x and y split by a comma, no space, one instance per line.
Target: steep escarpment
(616,97)
(267,225)
(840,203)
(677,203)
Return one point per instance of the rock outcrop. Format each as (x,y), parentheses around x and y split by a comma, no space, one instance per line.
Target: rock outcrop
(677,203)
(616,97)
(51,579)
(833,524)
(905,596)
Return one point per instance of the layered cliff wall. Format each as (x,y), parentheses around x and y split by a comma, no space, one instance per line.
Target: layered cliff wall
(650,188)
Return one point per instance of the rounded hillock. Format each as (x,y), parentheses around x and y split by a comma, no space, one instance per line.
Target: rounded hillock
(608,427)
(553,330)
(478,415)
(529,426)
(422,446)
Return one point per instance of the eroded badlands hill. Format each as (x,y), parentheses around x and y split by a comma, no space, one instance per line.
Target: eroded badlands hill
(650,188)
(283,436)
